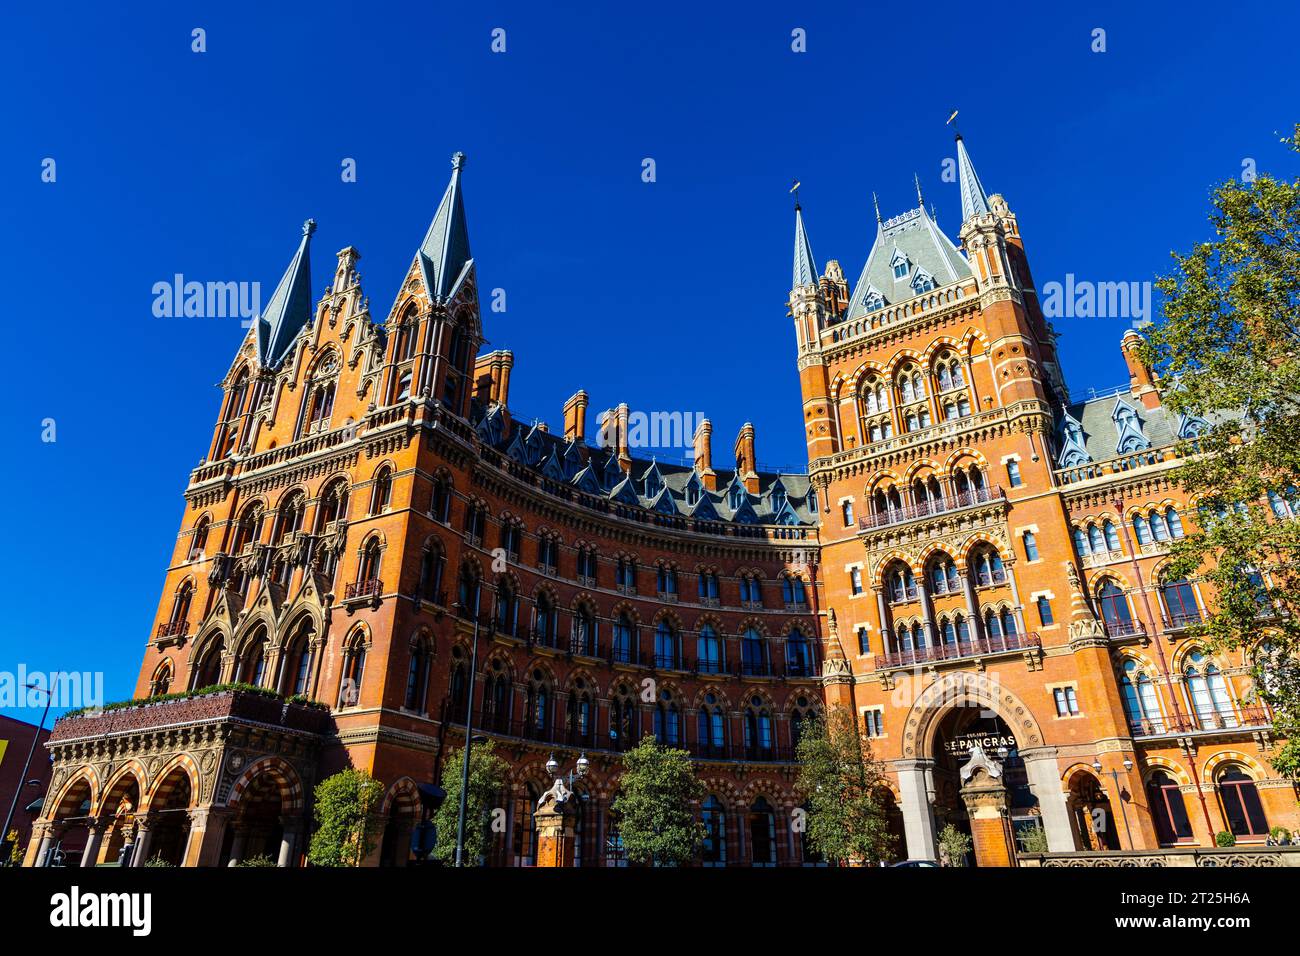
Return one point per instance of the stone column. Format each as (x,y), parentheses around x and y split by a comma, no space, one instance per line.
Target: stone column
(207,833)
(1045,781)
(927,612)
(884,619)
(94,833)
(985,797)
(1018,610)
(918,818)
(237,847)
(976,626)
(143,837)
(291,832)
(556,827)
(42,839)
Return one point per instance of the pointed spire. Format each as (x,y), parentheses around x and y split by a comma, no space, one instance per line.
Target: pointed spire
(805,269)
(920,200)
(290,306)
(875,201)
(444,255)
(974,201)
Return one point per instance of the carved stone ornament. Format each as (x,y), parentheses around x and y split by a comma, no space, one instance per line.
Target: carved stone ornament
(979,760)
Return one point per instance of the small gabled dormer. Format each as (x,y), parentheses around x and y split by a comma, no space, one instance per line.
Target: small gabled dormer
(587,480)
(1073,450)
(736,493)
(664,503)
(652,482)
(705,511)
(900,264)
(777,497)
(694,490)
(1128,427)
(1192,426)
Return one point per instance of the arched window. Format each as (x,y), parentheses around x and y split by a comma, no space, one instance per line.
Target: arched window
(624,639)
(1168,809)
(208,671)
(792,590)
(1141,701)
(580,716)
(537,717)
(710,731)
(987,567)
(199,542)
(901,583)
(1096,543)
(1114,608)
(944,578)
(753,653)
(238,392)
(798,655)
(417,676)
(458,684)
(1142,529)
(714,818)
(803,712)
(667,720)
(1241,805)
(762,834)
(298,661)
(666,646)
(368,570)
(496,699)
(507,607)
(544,626)
(584,631)
(432,562)
(382,495)
(623,720)
(1111,534)
(1174,521)
(708,651)
(333,506)
(179,622)
(440,500)
(1180,603)
(751,589)
(1211,700)
(252,663)
(758,730)
(667,581)
(354,669)
(162,680)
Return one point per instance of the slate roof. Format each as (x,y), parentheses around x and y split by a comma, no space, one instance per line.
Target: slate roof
(805,268)
(916,236)
(1101,433)
(546,453)
(444,255)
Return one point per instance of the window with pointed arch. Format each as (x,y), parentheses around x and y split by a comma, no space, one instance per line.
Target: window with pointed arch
(417,674)
(753,653)
(161,683)
(458,683)
(708,587)
(999,624)
(298,661)
(585,630)
(969,482)
(900,582)
(236,397)
(207,672)
(1115,612)
(667,646)
(910,383)
(1081,546)
(954,629)
(1239,798)
(548,552)
(793,592)
(1141,699)
(944,578)
(910,637)
(625,574)
(512,537)
(668,719)
(926,494)
(751,590)
(875,395)
(251,666)
(333,506)
(1168,809)
(714,818)
(537,707)
(624,719)
(496,698)
(759,737)
(368,569)
(667,581)
(1208,692)
(708,650)
(404,348)
(885,501)
(199,540)
(440,499)
(711,727)
(798,655)
(544,625)
(353,672)
(762,833)
(381,494)
(948,372)
(432,564)
(178,623)
(803,713)
(507,607)
(580,720)
(986,566)
(1096,543)
(879,429)
(1181,606)
(625,643)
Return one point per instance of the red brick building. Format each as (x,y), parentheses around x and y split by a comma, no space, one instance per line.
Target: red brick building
(972,558)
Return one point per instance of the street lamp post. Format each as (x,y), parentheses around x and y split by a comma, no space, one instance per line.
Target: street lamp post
(36,738)
(579,770)
(1114,775)
(469,728)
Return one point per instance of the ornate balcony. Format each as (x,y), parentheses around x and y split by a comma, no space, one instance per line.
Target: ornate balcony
(961,650)
(927,509)
(361,589)
(173,628)
(1244,719)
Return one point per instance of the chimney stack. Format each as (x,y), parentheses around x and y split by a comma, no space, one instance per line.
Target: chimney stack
(746,467)
(1141,381)
(575,416)
(624,457)
(704,454)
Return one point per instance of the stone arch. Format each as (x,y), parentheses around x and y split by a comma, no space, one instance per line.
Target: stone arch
(1155,763)
(132,768)
(1215,763)
(163,785)
(404,793)
(962,686)
(281,773)
(87,775)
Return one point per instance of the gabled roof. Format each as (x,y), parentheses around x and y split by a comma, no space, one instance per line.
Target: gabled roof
(289,310)
(915,236)
(444,255)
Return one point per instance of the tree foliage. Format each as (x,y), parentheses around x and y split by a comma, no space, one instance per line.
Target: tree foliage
(656,801)
(487,778)
(847,819)
(1228,351)
(346,811)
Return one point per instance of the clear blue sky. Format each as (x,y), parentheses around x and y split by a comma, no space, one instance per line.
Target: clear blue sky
(666,295)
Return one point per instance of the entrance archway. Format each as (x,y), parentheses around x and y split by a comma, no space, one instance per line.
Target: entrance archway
(117,813)
(169,817)
(266,804)
(1092,812)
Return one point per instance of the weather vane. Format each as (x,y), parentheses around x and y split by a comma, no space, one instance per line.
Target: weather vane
(950,121)
(794,188)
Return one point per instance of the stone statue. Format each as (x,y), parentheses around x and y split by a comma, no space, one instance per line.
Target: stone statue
(1072,574)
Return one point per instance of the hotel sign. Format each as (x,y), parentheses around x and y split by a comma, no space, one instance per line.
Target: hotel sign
(992,743)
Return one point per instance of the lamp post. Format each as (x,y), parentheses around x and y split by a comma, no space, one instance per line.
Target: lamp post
(469,728)
(36,738)
(1114,775)
(580,769)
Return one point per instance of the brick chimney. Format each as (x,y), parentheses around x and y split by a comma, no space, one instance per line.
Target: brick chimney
(746,467)
(1141,381)
(575,416)
(624,457)
(704,454)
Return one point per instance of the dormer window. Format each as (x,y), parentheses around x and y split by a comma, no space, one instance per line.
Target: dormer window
(736,496)
(922,282)
(901,265)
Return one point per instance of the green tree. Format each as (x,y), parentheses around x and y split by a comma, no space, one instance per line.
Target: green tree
(846,819)
(954,845)
(1227,349)
(657,796)
(487,778)
(347,820)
